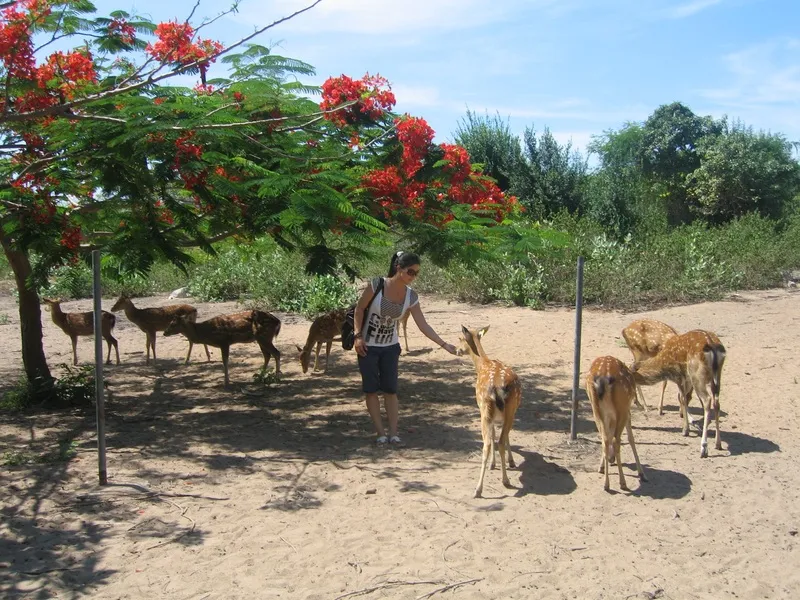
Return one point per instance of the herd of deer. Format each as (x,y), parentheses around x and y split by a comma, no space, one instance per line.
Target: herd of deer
(692,360)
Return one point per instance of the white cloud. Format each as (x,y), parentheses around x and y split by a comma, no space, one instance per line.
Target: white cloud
(690,8)
(763,75)
(578,139)
(381,17)
(417,96)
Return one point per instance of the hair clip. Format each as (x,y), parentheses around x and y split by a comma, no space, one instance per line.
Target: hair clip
(399,253)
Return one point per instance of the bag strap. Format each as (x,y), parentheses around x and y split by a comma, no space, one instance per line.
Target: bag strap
(378,290)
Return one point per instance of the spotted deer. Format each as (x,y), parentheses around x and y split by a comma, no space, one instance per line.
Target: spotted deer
(611,391)
(236,328)
(645,338)
(82,323)
(324,328)
(498,392)
(694,361)
(153,320)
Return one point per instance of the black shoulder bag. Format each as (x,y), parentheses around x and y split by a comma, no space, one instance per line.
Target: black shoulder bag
(348,327)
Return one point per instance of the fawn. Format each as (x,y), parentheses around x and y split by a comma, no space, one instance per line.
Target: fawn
(694,361)
(498,392)
(82,323)
(324,328)
(611,391)
(152,320)
(645,338)
(236,328)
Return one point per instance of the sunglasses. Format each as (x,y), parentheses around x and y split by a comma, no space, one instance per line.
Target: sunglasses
(412,272)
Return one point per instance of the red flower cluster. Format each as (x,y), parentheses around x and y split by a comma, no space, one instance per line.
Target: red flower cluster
(175,45)
(72,70)
(123,30)
(186,151)
(16,46)
(396,189)
(71,237)
(458,165)
(416,136)
(372,93)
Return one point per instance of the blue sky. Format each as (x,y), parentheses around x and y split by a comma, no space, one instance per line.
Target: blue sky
(578,67)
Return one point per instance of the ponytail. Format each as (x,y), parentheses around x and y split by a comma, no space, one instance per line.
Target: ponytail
(402,260)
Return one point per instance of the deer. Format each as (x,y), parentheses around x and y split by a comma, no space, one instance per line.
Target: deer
(82,323)
(498,392)
(324,328)
(611,391)
(694,361)
(152,320)
(645,338)
(236,328)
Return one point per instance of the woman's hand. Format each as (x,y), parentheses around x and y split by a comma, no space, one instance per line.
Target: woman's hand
(360,346)
(450,348)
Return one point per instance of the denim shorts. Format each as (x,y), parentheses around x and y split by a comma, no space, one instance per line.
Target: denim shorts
(379,369)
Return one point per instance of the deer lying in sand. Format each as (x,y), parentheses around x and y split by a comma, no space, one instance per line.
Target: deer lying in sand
(324,328)
(498,392)
(236,328)
(153,320)
(645,338)
(82,323)
(694,361)
(611,391)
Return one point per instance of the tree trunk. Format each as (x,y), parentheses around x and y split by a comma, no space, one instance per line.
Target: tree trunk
(30,319)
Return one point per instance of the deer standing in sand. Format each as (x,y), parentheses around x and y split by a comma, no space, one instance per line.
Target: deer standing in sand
(82,323)
(694,361)
(324,328)
(236,328)
(153,320)
(645,338)
(611,391)
(498,392)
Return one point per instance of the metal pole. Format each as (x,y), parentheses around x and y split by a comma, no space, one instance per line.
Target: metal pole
(98,369)
(573,427)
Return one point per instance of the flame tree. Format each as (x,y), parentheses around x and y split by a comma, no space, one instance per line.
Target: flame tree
(99,149)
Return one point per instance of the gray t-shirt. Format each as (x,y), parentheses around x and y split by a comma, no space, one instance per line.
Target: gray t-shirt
(381,326)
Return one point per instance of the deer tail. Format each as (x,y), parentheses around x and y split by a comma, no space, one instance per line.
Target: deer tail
(602,385)
(714,355)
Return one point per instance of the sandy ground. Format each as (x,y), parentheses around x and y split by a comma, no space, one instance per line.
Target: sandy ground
(278,491)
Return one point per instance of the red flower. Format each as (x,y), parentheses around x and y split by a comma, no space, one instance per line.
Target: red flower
(123,30)
(416,136)
(372,96)
(175,45)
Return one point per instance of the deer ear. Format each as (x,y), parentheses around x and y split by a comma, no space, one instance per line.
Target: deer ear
(299,348)
(482,332)
(465,331)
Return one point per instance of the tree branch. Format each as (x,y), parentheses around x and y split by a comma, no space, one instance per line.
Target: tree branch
(63,109)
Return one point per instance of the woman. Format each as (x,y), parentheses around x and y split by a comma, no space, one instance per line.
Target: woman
(385,301)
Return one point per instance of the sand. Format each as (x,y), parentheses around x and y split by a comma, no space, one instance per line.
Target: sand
(278,491)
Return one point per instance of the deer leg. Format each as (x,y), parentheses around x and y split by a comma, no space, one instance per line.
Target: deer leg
(316,356)
(111,341)
(685,409)
(487,431)
(153,344)
(633,449)
(640,396)
(618,454)
(208,354)
(189,353)
(505,449)
(706,414)
(269,350)
(327,354)
(661,402)
(718,442)
(74,350)
(225,353)
(495,445)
